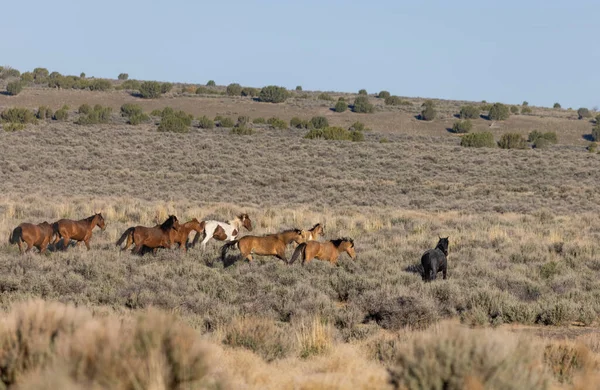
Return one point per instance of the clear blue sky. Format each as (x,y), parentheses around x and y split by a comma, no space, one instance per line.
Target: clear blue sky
(509,51)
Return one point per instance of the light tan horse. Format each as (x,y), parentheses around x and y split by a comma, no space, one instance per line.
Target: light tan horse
(38,235)
(269,245)
(81,230)
(313,234)
(328,251)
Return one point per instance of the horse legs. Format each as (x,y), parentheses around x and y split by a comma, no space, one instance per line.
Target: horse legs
(281,256)
(444,273)
(87,244)
(434,272)
(29,246)
(65,241)
(20,243)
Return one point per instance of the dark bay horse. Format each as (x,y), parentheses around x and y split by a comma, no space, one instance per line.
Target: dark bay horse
(38,235)
(79,231)
(329,251)
(161,236)
(435,260)
(269,245)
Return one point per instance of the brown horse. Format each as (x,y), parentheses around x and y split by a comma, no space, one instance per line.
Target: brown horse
(183,233)
(79,231)
(38,235)
(224,231)
(329,251)
(269,245)
(160,236)
(314,233)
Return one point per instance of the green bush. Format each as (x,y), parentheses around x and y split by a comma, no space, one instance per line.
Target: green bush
(99,85)
(596,133)
(27,77)
(14,88)
(252,92)
(18,115)
(485,107)
(541,143)
(583,113)
(82,75)
(428,112)
(54,75)
(335,133)
(512,141)
(243,121)
(166,87)
(514,109)
(498,112)
(205,91)
(132,85)
(130,109)
(526,110)
(150,89)
(463,126)
(298,123)
(84,109)
(211,83)
(362,105)
(61,115)
(234,89)
(340,106)
(97,115)
(44,112)
(62,82)
(205,122)
(469,112)
(259,121)
(384,95)
(7,72)
(156,112)
(362,92)
(357,126)
(325,96)
(277,123)
(299,88)
(556,105)
(273,94)
(137,118)
(525,103)
(241,131)
(597,119)
(478,140)
(40,73)
(396,101)
(172,123)
(549,137)
(10,126)
(123,76)
(226,122)
(319,122)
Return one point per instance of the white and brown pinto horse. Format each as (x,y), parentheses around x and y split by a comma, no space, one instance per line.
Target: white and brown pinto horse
(224,231)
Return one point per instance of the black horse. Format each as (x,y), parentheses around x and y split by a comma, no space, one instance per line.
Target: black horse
(434,260)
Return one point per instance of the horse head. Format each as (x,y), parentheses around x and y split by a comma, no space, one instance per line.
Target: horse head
(443,244)
(297,236)
(246,222)
(171,223)
(345,245)
(319,229)
(100,221)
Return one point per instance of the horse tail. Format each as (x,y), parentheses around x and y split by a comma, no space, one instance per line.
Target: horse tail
(124,236)
(16,235)
(300,250)
(197,238)
(226,248)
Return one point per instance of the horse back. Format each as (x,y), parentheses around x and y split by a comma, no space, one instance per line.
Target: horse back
(265,245)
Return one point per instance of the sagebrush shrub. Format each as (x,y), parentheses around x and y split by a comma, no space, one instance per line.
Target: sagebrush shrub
(205,91)
(596,133)
(525,103)
(40,73)
(166,87)
(241,130)
(82,75)
(259,121)
(583,113)
(205,122)
(10,126)
(14,88)
(362,105)
(95,116)
(512,141)
(242,121)
(463,126)
(358,126)
(340,106)
(150,89)
(325,96)
(549,136)
(556,105)
(123,76)
(362,92)
(277,123)
(99,85)
(498,112)
(173,123)
(478,140)
(8,72)
(130,109)
(383,95)
(132,85)
(226,122)
(396,101)
(61,115)
(514,109)
(137,118)
(234,89)
(211,83)
(18,115)
(526,110)
(319,122)
(335,133)
(428,113)
(84,109)
(44,112)
(273,94)
(252,92)
(27,77)
(469,112)
(299,88)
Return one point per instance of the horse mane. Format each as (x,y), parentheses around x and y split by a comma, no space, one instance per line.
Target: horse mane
(298,231)
(314,227)
(339,241)
(168,224)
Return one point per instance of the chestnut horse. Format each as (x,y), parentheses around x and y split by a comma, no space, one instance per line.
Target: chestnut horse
(79,231)
(160,236)
(269,245)
(38,235)
(329,251)
(182,235)
(224,231)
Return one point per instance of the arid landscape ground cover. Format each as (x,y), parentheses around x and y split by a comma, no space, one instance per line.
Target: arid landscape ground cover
(519,309)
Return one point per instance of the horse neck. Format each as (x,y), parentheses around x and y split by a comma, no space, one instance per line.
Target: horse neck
(442,249)
(91,221)
(236,223)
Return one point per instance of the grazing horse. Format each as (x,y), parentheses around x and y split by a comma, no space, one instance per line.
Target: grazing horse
(329,251)
(434,260)
(181,237)
(160,236)
(79,231)
(224,231)
(269,245)
(38,235)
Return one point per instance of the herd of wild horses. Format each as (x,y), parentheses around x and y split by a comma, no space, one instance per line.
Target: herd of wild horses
(170,232)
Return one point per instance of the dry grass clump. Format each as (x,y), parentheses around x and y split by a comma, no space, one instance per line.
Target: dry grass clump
(41,341)
(259,335)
